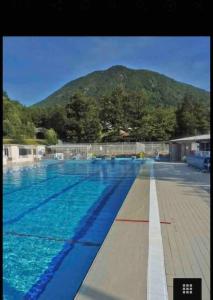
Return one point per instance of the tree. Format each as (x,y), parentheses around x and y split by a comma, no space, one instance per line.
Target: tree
(29,130)
(136,107)
(5,94)
(16,120)
(202,114)
(51,136)
(193,117)
(40,116)
(185,117)
(58,121)
(8,129)
(157,124)
(83,124)
(164,122)
(112,113)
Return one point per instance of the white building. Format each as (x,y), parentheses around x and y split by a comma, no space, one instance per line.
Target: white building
(22,153)
(179,148)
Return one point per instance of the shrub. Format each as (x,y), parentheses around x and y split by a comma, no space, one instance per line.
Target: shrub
(51,136)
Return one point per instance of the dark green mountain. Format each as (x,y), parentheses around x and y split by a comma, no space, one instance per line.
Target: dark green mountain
(160,89)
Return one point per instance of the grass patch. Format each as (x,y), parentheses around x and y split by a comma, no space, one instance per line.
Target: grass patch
(8,141)
(35,142)
(25,141)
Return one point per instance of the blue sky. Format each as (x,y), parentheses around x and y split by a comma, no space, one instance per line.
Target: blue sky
(34,67)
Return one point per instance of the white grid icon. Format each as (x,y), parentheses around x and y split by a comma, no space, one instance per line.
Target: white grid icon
(187,288)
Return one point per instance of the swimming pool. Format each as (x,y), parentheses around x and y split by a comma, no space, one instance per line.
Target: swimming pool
(55,217)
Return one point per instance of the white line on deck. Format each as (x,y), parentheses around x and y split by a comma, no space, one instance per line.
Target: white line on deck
(156,277)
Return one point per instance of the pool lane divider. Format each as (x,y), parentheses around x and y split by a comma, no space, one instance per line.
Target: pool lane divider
(30,185)
(10,170)
(55,195)
(34,184)
(19,217)
(87,221)
(41,181)
(156,276)
(55,239)
(47,179)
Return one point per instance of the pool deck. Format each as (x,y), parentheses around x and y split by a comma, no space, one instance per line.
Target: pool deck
(121,267)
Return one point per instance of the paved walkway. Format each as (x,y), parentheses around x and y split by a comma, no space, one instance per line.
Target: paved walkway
(119,271)
(184,200)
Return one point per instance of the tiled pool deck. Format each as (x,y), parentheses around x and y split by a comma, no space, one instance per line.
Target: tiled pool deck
(120,270)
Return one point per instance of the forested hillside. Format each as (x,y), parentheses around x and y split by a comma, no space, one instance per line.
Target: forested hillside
(145,105)
(159,89)
(17,121)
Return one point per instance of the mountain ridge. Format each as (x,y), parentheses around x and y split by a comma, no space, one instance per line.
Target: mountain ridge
(159,87)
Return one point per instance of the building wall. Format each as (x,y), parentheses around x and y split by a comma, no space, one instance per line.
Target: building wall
(4,160)
(14,153)
(27,158)
(195,146)
(15,157)
(175,152)
(185,149)
(179,150)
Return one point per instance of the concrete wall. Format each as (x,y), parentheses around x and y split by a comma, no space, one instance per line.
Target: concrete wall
(14,153)
(27,158)
(4,160)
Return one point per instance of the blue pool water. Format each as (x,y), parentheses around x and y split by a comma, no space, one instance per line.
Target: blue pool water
(55,217)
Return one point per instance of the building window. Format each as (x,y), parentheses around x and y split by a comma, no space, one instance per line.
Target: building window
(6,152)
(207,146)
(24,151)
(204,147)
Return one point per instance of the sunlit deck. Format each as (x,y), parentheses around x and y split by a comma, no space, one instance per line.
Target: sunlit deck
(120,270)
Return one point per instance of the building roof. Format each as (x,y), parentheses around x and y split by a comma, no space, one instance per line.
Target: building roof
(193,138)
(123,133)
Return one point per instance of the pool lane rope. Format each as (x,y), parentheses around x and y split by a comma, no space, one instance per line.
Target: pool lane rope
(156,277)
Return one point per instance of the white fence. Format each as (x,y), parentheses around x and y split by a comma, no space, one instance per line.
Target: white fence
(152,148)
(69,151)
(103,149)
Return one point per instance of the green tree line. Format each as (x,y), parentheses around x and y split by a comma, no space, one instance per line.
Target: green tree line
(85,119)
